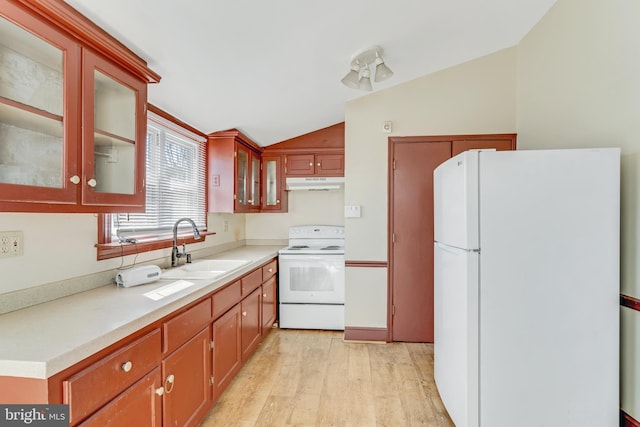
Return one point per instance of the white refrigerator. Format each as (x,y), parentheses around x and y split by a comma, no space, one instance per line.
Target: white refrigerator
(527,287)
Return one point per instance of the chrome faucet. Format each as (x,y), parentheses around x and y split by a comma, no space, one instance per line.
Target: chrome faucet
(175,253)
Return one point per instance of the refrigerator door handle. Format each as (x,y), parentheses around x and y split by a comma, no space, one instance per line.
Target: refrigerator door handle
(454,249)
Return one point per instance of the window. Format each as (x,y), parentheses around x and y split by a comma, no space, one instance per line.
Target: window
(175,188)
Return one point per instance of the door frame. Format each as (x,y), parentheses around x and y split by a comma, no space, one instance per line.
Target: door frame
(392,140)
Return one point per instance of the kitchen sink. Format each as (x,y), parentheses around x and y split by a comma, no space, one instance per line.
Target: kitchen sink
(214,265)
(204,269)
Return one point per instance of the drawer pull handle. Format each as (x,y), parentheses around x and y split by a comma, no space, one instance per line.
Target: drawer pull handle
(160,391)
(126,367)
(244,313)
(169,383)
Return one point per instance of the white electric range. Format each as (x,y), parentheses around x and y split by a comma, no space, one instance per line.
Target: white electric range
(311,278)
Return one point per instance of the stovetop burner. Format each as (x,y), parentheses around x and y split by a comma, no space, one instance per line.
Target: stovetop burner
(316,240)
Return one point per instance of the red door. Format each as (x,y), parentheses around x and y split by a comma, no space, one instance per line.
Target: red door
(411,253)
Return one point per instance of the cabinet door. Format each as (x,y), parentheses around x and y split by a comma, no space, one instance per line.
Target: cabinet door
(274,199)
(251,332)
(329,164)
(227,351)
(254,187)
(39,112)
(268,304)
(300,165)
(137,406)
(186,375)
(242,178)
(114,132)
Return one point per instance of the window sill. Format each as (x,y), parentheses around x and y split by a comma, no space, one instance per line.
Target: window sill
(114,250)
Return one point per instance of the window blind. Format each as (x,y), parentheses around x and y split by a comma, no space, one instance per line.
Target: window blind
(175,184)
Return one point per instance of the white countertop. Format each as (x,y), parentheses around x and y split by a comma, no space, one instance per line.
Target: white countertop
(42,340)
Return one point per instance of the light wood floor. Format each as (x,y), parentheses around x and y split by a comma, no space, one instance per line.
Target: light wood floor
(314,378)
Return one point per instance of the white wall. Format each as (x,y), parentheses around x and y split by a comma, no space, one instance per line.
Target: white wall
(62,246)
(579,86)
(305,208)
(475,97)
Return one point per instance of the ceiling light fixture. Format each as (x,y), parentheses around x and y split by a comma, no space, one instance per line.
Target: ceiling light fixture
(359,77)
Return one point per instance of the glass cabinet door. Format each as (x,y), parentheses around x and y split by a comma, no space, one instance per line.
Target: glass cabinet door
(272,195)
(255,182)
(114,134)
(242,177)
(38,111)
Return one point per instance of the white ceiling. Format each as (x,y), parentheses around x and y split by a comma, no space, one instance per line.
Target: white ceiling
(272,68)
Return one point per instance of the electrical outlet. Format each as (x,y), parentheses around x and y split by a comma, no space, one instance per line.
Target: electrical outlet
(10,243)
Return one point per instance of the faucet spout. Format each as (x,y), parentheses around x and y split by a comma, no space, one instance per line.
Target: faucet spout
(175,253)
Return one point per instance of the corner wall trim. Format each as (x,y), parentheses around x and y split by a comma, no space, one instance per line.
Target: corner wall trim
(382,264)
(627,420)
(630,302)
(365,334)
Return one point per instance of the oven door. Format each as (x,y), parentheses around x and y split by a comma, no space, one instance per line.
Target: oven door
(315,279)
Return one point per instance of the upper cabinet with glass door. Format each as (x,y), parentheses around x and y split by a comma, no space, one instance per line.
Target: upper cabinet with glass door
(72,122)
(274,198)
(233,172)
(113,134)
(39,115)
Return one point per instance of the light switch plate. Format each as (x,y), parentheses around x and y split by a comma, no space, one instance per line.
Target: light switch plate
(11,243)
(352,211)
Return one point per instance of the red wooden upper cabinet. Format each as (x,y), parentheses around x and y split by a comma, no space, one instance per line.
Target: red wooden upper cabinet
(72,114)
(234,176)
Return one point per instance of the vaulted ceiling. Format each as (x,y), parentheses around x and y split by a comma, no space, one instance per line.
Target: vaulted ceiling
(272,68)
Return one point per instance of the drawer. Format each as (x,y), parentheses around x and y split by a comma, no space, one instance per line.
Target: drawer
(226,298)
(181,328)
(269,270)
(251,281)
(97,384)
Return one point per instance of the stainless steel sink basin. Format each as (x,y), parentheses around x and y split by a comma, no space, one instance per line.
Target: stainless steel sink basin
(204,269)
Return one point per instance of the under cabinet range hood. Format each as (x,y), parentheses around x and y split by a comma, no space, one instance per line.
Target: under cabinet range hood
(317,183)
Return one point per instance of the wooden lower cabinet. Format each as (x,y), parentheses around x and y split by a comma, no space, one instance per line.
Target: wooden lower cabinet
(138,406)
(227,349)
(171,372)
(268,304)
(187,389)
(250,323)
(105,380)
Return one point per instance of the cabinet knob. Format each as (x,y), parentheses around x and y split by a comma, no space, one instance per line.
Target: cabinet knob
(169,383)
(92,183)
(75,179)
(264,295)
(278,201)
(311,164)
(244,313)
(270,270)
(126,366)
(318,163)
(160,391)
